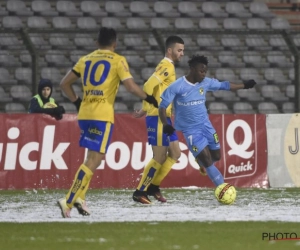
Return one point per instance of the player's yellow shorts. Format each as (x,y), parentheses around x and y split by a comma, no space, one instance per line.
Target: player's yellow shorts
(156,137)
(95,135)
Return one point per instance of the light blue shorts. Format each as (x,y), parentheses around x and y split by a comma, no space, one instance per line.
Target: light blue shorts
(198,138)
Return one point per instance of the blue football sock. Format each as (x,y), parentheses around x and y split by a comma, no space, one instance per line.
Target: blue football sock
(215,175)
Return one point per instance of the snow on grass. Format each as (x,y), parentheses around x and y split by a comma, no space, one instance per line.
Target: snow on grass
(187,204)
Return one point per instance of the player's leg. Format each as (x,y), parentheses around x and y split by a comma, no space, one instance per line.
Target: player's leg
(215,153)
(212,171)
(202,169)
(150,170)
(216,156)
(198,141)
(95,137)
(93,160)
(172,157)
(81,182)
(174,153)
(153,166)
(154,130)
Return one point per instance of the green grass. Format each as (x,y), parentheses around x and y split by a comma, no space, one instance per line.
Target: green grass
(144,236)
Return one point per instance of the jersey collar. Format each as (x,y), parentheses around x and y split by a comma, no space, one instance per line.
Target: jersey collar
(168,59)
(193,84)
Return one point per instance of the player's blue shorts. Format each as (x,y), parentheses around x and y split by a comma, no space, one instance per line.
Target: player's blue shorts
(198,138)
(156,137)
(95,135)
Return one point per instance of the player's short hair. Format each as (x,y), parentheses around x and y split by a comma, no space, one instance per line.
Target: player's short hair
(197,59)
(106,36)
(171,40)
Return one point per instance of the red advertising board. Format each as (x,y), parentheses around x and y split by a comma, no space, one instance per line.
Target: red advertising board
(36,151)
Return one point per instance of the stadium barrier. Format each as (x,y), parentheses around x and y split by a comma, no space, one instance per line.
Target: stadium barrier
(37,152)
(283,150)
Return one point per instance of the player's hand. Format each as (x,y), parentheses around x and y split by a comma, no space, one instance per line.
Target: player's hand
(139,113)
(77,103)
(151,99)
(168,129)
(249,84)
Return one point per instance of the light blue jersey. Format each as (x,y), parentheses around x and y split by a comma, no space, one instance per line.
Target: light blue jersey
(189,101)
(192,119)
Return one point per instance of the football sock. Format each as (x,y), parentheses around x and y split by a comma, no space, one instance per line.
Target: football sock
(82,179)
(148,174)
(215,175)
(163,171)
(83,192)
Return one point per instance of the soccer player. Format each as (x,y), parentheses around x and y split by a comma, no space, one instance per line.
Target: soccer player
(165,148)
(101,72)
(188,96)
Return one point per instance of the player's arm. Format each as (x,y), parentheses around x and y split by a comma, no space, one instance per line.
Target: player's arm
(148,87)
(130,85)
(167,97)
(133,88)
(151,84)
(66,87)
(167,128)
(246,85)
(226,85)
(163,115)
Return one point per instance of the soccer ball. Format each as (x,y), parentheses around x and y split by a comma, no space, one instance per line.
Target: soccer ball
(225,193)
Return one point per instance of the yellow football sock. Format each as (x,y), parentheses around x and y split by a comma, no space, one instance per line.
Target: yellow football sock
(163,172)
(82,179)
(148,174)
(83,192)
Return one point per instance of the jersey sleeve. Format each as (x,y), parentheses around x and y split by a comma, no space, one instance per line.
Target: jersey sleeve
(150,85)
(148,88)
(123,69)
(163,71)
(77,67)
(217,85)
(168,96)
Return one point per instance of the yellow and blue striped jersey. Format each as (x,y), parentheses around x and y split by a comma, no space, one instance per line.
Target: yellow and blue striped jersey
(163,76)
(101,72)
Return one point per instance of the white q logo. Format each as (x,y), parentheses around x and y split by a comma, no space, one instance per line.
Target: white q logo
(239,149)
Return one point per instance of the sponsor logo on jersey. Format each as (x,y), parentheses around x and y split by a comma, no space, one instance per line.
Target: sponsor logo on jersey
(94,92)
(163,71)
(192,103)
(158,69)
